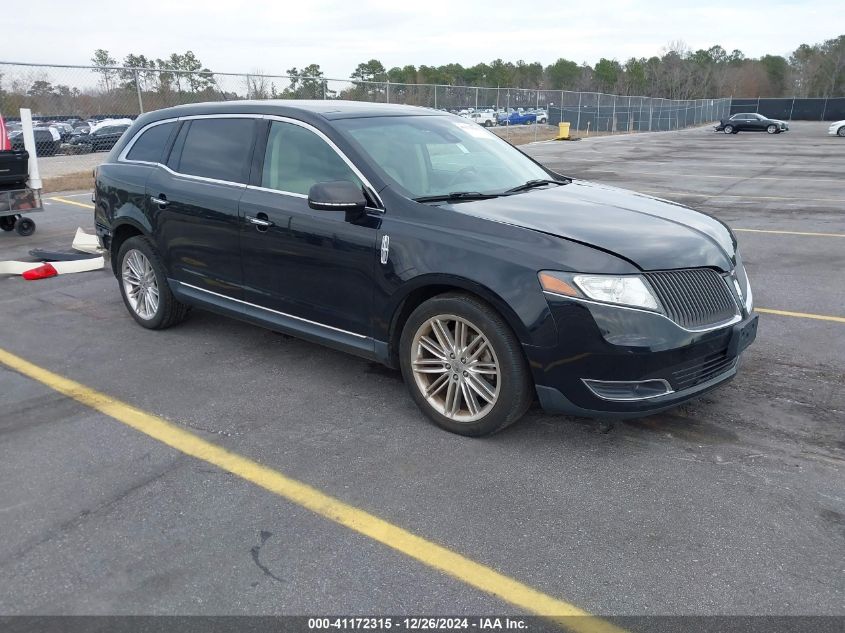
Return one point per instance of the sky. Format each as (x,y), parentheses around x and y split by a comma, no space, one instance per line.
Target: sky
(273,36)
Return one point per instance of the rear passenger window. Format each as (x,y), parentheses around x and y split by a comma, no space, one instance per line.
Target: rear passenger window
(150,145)
(218,148)
(296,158)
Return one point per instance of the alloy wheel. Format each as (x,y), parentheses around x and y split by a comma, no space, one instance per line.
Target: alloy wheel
(140,284)
(455,368)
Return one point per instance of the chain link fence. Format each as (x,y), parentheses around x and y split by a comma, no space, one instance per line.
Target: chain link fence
(81,94)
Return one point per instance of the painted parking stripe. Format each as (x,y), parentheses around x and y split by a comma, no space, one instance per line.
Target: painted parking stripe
(802,315)
(720,176)
(738,197)
(427,552)
(73,202)
(804,233)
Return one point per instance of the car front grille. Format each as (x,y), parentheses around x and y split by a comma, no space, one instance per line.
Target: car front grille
(701,370)
(693,297)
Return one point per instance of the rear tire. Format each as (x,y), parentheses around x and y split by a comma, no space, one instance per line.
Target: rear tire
(143,286)
(7,223)
(473,371)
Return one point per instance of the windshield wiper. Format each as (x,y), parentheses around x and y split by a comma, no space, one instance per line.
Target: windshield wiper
(457,196)
(531,184)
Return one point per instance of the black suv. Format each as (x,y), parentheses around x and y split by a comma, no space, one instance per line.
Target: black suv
(421,240)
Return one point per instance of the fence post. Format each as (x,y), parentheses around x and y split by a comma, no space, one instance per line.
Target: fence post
(476,97)
(598,112)
(536,122)
(791,108)
(435,96)
(824,110)
(578,123)
(387,91)
(640,118)
(613,120)
(138,90)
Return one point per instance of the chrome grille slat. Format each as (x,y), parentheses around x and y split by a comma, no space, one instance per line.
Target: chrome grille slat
(693,297)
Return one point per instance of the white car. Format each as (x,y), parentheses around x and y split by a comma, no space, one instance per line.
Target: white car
(837,128)
(487,119)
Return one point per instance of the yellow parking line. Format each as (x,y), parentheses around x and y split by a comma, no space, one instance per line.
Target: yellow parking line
(727,195)
(802,315)
(809,234)
(719,176)
(427,552)
(73,202)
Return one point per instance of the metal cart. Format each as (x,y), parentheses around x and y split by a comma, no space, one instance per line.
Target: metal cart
(15,202)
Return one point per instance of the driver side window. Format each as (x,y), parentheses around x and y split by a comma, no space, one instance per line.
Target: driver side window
(296,158)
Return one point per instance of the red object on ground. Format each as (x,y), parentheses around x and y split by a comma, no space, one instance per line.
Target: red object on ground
(5,144)
(42,272)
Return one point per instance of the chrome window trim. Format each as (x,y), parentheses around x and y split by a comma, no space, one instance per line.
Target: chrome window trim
(278,191)
(330,143)
(665,382)
(122,157)
(716,326)
(284,314)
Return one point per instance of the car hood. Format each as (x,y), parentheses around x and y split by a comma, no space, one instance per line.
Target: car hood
(650,233)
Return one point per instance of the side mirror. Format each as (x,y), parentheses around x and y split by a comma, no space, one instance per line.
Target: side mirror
(337,195)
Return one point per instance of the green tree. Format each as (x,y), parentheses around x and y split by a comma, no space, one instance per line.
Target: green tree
(777,71)
(102,60)
(606,74)
(563,74)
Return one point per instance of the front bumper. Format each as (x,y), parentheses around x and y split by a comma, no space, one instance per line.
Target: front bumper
(612,345)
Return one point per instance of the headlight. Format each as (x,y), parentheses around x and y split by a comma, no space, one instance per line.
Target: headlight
(629,290)
(744,284)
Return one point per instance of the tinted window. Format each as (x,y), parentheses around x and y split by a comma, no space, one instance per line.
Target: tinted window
(150,145)
(296,159)
(218,148)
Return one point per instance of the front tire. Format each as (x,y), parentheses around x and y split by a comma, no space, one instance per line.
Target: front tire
(729,129)
(841,132)
(464,366)
(772,129)
(143,285)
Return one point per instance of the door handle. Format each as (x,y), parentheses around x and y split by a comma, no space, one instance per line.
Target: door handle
(262,223)
(161,200)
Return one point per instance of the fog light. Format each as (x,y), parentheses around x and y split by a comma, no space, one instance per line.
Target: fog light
(628,391)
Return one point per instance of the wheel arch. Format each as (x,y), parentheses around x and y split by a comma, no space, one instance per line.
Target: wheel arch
(120,233)
(428,286)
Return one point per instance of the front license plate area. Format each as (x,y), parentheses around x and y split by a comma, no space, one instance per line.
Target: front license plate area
(743,336)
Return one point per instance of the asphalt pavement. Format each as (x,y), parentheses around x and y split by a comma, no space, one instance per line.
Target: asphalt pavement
(731,504)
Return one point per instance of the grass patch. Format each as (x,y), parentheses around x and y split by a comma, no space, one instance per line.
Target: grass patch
(68,182)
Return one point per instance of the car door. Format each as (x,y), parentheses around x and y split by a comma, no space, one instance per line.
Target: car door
(312,265)
(194,203)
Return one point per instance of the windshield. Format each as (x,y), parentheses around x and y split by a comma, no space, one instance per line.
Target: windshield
(438,155)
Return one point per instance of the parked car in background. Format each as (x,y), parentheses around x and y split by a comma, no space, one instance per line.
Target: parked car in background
(837,128)
(47,140)
(65,131)
(414,239)
(100,138)
(751,122)
(487,119)
(517,118)
(542,116)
